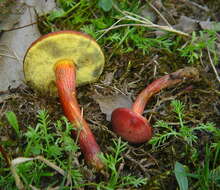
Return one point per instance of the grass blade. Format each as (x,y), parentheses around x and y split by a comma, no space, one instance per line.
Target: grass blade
(181,176)
(12,119)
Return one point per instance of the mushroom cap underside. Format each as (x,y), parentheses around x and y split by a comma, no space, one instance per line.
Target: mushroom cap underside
(44,53)
(131,126)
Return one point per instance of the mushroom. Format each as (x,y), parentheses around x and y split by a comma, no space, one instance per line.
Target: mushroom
(54,65)
(129,123)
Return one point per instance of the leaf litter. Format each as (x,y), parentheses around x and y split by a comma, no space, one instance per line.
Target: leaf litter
(109,103)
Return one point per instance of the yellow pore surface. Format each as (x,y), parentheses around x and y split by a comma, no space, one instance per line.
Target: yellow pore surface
(43,55)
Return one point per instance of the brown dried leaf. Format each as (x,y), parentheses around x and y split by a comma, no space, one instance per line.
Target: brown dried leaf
(208,25)
(10,14)
(187,24)
(109,103)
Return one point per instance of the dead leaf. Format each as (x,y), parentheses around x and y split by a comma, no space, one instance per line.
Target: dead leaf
(208,25)
(147,12)
(186,24)
(108,78)
(189,25)
(109,103)
(10,12)
(14,44)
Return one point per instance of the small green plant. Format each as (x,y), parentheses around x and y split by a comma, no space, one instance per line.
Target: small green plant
(6,181)
(146,44)
(106,5)
(75,15)
(12,119)
(181,176)
(206,175)
(194,49)
(183,131)
(52,140)
(128,34)
(53,145)
(66,4)
(112,161)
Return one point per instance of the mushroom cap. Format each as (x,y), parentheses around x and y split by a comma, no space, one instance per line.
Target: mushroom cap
(44,53)
(131,126)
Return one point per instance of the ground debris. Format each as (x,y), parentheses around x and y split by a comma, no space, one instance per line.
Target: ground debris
(109,103)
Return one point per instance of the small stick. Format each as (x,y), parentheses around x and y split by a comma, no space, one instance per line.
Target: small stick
(155,26)
(5,155)
(20,27)
(196,5)
(158,12)
(213,66)
(147,23)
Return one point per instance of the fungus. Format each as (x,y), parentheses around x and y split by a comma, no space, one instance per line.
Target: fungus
(129,123)
(54,65)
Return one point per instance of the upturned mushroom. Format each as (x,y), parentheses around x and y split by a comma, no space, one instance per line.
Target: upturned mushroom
(54,65)
(129,123)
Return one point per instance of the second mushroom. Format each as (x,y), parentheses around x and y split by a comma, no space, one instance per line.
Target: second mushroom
(57,63)
(129,123)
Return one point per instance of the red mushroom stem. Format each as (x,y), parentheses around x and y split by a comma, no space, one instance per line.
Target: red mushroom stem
(166,81)
(66,84)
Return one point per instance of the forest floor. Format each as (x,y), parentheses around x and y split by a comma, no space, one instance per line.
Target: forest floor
(184,152)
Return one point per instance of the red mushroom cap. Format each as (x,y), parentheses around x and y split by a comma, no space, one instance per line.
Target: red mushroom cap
(131,126)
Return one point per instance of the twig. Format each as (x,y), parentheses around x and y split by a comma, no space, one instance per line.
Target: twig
(10,53)
(10,56)
(166,28)
(18,182)
(146,22)
(143,169)
(158,12)
(20,160)
(103,128)
(20,27)
(197,5)
(136,18)
(5,155)
(110,28)
(213,66)
(132,15)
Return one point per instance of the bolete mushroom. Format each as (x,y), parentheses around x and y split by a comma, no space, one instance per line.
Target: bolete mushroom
(58,62)
(129,123)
